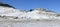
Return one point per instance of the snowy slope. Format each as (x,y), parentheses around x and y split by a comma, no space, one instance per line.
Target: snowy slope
(42,14)
(38,13)
(6,11)
(39,17)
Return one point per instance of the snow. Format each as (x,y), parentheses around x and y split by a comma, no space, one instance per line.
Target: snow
(35,14)
(10,17)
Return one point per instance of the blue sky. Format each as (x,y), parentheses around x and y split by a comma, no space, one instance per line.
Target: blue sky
(31,4)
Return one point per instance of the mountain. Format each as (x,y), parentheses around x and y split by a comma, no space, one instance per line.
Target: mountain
(38,17)
(38,13)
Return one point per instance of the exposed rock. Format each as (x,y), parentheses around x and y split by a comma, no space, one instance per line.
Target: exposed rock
(5,5)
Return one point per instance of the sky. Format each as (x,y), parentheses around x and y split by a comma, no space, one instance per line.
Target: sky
(53,5)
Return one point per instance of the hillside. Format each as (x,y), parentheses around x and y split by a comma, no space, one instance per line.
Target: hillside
(38,17)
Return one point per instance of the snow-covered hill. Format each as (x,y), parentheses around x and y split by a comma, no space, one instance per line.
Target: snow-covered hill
(38,13)
(39,17)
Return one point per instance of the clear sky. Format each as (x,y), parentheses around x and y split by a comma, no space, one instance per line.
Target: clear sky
(31,4)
